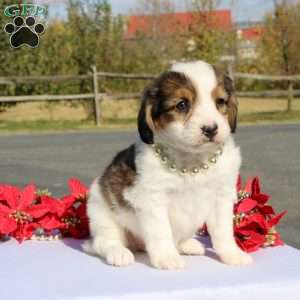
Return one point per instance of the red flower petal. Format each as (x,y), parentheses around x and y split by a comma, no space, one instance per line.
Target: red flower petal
(50,223)
(1,193)
(274,221)
(57,206)
(7,225)
(278,241)
(255,186)
(251,221)
(261,198)
(25,232)
(81,211)
(248,245)
(249,185)
(68,201)
(51,203)
(37,211)
(11,195)
(254,236)
(267,210)
(4,209)
(27,197)
(78,189)
(246,205)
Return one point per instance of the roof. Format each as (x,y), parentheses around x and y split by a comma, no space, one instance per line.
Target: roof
(172,22)
(252,33)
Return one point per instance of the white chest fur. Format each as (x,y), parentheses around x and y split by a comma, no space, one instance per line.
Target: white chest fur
(189,198)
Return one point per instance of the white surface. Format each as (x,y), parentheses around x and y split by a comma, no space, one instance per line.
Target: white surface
(60,271)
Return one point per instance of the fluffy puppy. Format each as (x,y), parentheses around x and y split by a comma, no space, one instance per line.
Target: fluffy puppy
(157,193)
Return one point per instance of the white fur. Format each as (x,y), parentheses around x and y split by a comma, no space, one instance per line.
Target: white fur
(188,135)
(170,208)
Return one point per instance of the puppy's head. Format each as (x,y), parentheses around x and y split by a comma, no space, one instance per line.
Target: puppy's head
(191,106)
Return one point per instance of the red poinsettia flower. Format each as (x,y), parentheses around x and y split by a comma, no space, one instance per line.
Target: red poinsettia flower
(78,190)
(18,214)
(67,215)
(254,219)
(75,222)
(57,209)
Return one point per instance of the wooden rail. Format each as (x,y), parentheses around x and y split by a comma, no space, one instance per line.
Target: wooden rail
(97,96)
(266,77)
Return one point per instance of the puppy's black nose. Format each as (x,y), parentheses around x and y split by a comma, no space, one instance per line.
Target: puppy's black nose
(210,131)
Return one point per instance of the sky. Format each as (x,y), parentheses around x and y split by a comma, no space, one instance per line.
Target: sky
(243,10)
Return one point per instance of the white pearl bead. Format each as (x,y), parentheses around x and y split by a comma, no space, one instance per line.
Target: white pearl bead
(213,160)
(195,170)
(219,151)
(173,167)
(158,150)
(205,166)
(183,171)
(164,159)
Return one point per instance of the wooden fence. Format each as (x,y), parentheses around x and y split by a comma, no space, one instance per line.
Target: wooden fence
(97,96)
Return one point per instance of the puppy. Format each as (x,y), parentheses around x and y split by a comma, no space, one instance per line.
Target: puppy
(181,174)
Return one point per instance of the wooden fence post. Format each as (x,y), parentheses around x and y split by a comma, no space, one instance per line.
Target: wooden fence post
(96,97)
(290,96)
(230,70)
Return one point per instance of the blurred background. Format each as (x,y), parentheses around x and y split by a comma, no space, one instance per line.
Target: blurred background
(254,40)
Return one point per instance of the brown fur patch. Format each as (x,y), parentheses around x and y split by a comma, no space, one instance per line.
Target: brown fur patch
(159,103)
(172,88)
(121,173)
(220,93)
(225,90)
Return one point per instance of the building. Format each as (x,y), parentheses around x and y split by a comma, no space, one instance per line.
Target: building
(248,36)
(174,23)
(168,24)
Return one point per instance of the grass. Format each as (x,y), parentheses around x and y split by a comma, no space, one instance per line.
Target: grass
(270,117)
(52,126)
(35,117)
(38,125)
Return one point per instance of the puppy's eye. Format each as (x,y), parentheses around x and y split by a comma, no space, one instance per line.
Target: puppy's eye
(183,105)
(220,102)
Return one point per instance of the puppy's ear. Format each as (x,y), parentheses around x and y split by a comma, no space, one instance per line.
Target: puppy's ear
(145,121)
(232,102)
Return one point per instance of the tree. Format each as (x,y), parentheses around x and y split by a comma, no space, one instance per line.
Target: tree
(279,48)
(205,41)
(280,41)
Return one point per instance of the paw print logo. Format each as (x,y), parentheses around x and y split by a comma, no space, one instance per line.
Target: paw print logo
(24,32)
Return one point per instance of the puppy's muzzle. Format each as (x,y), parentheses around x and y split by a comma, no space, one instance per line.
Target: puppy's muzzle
(210,131)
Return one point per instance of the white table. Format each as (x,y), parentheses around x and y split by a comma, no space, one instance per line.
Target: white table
(61,271)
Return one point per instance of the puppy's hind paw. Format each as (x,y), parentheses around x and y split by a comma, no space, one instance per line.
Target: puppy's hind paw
(191,247)
(236,258)
(119,256)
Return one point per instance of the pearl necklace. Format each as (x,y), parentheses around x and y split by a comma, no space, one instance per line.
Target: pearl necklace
(172,166)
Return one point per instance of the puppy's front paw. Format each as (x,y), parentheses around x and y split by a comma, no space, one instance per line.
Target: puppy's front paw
(167,260)
(236,258)
(191,247)
(119,256)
